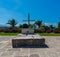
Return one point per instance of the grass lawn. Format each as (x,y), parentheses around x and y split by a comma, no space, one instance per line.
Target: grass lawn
(42,34)
(8,34)
(49,34)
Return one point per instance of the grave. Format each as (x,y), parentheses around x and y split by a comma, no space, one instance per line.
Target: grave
(28,38)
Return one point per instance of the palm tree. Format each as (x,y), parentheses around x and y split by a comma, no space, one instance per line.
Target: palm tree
(51,27)
(38,23)
(59,25)
(12,23)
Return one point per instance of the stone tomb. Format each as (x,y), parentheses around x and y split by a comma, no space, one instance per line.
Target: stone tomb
(27,31)
(29,40)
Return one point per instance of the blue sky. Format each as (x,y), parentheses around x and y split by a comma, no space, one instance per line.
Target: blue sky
(46,10)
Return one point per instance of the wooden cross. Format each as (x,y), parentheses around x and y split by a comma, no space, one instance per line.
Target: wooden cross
(28,19)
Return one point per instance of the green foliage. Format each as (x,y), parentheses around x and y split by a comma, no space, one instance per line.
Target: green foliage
(56,30)
(12,23)
(8,34)
(46,27)
(51,27)
(42,29)
(49,34)
(31,25)
(25,26)
(20,26)
(38,23)
(37,26)
(59,26)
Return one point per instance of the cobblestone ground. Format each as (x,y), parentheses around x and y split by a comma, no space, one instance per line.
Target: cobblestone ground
(52,42)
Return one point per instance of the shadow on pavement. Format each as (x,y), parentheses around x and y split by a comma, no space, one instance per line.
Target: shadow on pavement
(44,46)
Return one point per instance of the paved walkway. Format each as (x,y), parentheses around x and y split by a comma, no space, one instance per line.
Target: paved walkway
(53,43)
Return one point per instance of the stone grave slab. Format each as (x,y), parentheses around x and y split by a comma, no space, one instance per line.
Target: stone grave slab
(29,40)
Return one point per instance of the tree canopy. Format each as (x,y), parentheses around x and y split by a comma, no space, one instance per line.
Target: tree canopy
(38,23)
(12,23)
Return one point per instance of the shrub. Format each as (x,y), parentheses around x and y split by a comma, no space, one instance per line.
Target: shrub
(49,31)
(15,30)
(56,31)
(35,30)
(40,30)
(1,30)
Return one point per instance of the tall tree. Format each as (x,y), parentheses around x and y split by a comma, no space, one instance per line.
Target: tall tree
(51,27)
(38,23)
(46,27)
(20,26)
(12,23)
(59,25)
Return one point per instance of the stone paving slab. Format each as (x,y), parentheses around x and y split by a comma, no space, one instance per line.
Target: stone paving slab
(53,43)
